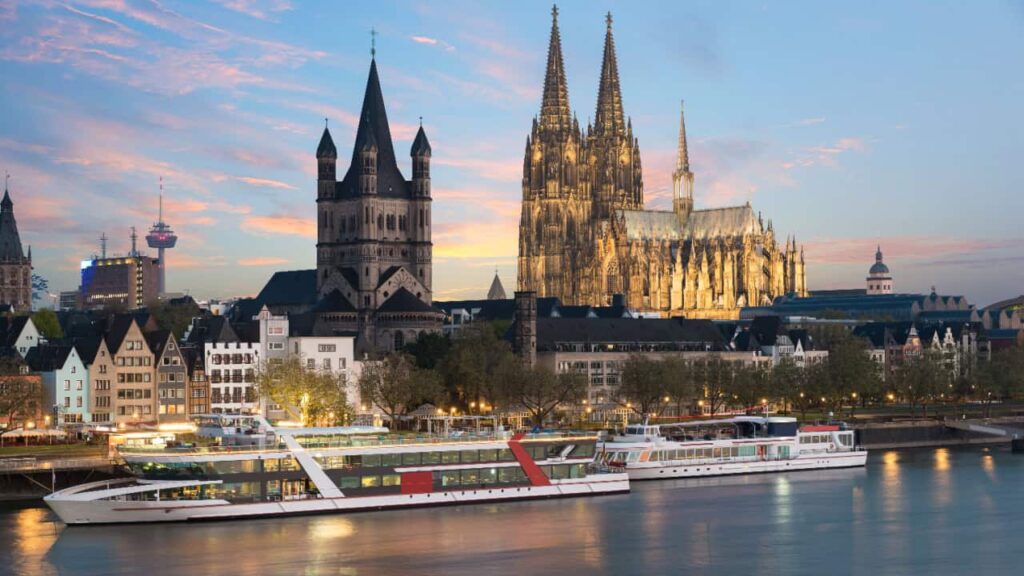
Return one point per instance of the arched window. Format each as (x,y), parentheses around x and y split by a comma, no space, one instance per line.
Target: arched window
(399,340)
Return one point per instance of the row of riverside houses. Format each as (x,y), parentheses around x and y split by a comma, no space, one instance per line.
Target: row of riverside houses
(123,371)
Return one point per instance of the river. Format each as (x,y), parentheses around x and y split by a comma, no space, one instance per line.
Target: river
(934,511)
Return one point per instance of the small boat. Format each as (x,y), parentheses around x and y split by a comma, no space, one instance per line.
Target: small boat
(284,471)
(738,445)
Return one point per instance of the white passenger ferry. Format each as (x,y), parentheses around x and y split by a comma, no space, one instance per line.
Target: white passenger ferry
(739,445)
(279,471)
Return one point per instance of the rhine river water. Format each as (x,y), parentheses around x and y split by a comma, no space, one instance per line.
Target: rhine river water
(935,511)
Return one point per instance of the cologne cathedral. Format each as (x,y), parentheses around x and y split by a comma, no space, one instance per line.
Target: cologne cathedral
(585,236)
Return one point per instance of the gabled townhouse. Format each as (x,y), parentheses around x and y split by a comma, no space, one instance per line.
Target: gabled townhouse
(171,378)
(65,377)
(18,333)
(198,395)
(101,390)
(230,365)
(134,398)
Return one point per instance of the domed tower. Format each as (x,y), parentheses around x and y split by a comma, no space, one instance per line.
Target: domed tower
(879,279)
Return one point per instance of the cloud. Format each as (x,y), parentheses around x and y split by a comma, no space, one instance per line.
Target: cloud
(427,40)
(260,9)
(826,155)
(279,225)
(262,261)
(265,183)
(909,248)
(810,121)
(476,239)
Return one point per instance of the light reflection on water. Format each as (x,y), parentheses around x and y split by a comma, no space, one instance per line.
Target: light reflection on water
(934,511)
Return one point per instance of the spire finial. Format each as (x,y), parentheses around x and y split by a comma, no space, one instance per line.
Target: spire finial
(554,12)
(421,121)
(325,123)
(373,43)
(7,180)
(608,19)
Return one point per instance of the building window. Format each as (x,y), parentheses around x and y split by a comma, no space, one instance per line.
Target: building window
(399,340)
(327,347)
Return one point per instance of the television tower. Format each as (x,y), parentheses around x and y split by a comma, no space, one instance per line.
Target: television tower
(161,237)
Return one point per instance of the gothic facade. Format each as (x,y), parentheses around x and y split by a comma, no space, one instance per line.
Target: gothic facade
(584,234)
(15,266)
(374,250)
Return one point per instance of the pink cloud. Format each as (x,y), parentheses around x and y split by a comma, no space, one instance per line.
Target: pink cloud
(861,250)
(260,9)
(265,183)
(262,261)
(427,40)
(280,225)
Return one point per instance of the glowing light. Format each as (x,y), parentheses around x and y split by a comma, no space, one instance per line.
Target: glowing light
(289,424)
(177,427)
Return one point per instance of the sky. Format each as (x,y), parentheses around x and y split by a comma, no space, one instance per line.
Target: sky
(849,124)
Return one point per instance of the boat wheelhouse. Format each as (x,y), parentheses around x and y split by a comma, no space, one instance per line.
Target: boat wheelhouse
(739,445)
(277,471)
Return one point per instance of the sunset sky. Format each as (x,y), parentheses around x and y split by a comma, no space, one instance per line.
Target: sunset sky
(849,124)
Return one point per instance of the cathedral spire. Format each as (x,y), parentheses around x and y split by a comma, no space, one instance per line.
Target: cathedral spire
(683,159)
(554,109)
(609,119)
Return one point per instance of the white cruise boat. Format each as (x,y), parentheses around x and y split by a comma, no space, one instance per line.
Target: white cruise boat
(739,445)
(344,469)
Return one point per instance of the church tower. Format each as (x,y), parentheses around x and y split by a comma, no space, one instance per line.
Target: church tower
(15,267)
(374,250)
(614,152)
(682,178)
(556,202)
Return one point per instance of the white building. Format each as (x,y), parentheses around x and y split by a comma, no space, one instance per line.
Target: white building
(281,338)
(231,369)
(19,333)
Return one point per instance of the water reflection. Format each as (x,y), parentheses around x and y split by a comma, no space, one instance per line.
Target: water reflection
(882,520)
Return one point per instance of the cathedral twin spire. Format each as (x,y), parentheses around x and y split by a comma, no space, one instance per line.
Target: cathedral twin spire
(555,112)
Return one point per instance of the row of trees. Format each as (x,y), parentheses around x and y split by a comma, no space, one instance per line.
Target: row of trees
(477,373)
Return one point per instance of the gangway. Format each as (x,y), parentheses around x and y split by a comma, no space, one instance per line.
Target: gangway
(1015,435)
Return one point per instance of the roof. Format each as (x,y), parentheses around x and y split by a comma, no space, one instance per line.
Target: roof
(878,268)
(10,241)
(574,312)
(11,328)
(552,332)
(291,287)
(420,146)
(1017,302)
(404,301)
(211,329)
(157,340)
(651,225)
(722,222)
(374,128)
(766,329)
(48,357)
(497,291)
(117,331)
(485,310)
(326,147)
(335,302)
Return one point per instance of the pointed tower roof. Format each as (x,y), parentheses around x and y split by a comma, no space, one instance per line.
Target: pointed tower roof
(374,130)
(10,241)
(610,118)
(683,152)
(554,108)
(326,147)
(497,291)
(420,146)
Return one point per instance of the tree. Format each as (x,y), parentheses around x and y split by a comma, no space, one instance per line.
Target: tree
(395,385)
(537,389)
(920,379)
(1000,378)
(715,375)
(429,349)
(174,317)
(785,382)
(850,373)
(749,386)
(644,385)
(40,287)
(470,369)
(21,395)
(47,323)
(308,396)
(680,382)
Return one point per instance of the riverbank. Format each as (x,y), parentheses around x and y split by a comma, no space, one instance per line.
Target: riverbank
(928,433)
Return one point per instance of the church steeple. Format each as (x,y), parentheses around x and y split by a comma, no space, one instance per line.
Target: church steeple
(682,178)
(554,109)
(610,118)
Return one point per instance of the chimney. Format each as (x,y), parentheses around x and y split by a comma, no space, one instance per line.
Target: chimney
(525,334)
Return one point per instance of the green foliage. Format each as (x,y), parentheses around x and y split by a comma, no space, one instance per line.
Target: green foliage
(395,385)
(919,380)
(785,383)
(644,385)
(537,389)
(47,323)
(312,397)
(714,375)
(20,397)
(173,317)
(470,370)
(749,386)
(429,349)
